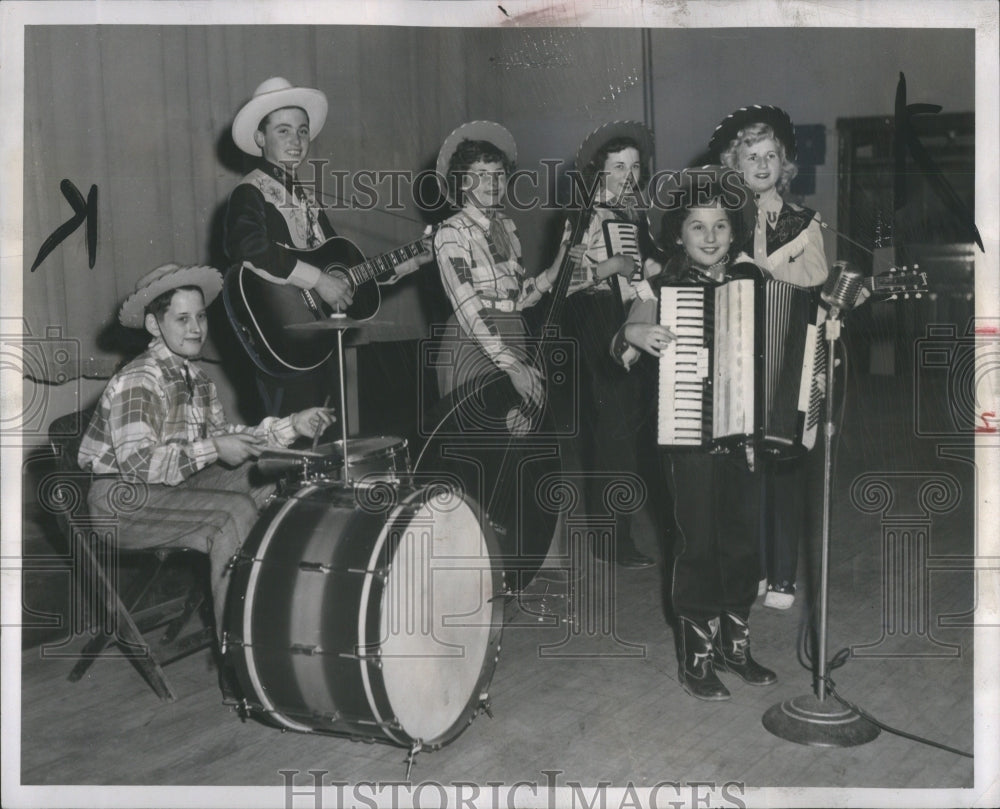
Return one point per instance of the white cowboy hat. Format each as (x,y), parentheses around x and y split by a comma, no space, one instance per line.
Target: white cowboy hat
(489,131)
(274,94)
(169,276)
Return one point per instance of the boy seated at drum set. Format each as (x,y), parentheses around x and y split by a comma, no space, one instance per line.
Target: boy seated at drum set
(159,428)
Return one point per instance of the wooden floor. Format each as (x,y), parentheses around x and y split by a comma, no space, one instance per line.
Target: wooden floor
(602,703)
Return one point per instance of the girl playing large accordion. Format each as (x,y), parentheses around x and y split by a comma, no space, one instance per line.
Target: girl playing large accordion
(702,215)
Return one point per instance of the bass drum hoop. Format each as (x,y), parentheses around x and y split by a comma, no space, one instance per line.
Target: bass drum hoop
(379,700)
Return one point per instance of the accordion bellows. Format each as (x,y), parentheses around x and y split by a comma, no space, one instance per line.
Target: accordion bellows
(743,367)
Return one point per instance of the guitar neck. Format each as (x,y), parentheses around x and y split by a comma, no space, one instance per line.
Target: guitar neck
(897,281)
(386,263)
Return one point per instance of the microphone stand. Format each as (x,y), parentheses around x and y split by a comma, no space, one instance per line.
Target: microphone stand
(814,719)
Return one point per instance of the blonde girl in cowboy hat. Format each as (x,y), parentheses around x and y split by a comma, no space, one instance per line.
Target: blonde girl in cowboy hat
(759,142)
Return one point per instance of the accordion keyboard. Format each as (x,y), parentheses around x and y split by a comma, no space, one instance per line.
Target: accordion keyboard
(623,238)
(685,396)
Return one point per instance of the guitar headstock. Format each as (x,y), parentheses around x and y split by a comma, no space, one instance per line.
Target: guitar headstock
(898,282)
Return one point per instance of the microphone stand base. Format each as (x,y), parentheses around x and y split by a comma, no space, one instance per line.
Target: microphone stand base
(806,720)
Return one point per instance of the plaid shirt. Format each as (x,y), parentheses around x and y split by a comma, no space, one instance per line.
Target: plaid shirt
(475,269)
(151,426)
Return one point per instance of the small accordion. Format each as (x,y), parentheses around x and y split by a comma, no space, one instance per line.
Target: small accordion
(743,367)
(623,237)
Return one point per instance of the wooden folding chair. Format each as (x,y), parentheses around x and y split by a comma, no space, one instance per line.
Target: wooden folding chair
(123,618)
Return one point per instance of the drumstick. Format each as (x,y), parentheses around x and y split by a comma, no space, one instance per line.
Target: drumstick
(326,405)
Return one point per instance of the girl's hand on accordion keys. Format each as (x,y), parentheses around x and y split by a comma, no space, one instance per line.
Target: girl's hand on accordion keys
(651,339)
(618,264)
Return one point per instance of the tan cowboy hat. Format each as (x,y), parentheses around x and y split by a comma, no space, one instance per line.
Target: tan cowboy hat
(671,193)
(169,276)
(489,131)
(274,94)
(775,117)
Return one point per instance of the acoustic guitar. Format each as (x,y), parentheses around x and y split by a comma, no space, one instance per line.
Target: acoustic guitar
(260,310)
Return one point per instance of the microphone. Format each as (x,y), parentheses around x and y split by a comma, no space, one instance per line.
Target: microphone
(842,287)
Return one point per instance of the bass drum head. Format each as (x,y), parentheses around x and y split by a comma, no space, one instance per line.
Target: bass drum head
(436,624)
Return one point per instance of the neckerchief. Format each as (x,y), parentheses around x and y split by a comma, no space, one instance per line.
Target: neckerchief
(292,200)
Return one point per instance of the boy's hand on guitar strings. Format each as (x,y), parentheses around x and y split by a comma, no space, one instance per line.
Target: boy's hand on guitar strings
(334,289)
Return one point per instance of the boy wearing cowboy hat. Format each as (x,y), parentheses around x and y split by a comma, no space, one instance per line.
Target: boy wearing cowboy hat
(270,210)
(166,463)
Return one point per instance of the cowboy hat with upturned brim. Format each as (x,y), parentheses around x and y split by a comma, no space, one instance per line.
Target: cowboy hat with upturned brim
(634,130)
(775,117)
(274,94)
(672,193)
(488,131)
(162,279)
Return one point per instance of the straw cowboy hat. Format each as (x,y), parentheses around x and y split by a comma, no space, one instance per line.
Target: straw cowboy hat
(489,131)
(162,279)
(670,193)
(775,117)
(274,94)
(635,130)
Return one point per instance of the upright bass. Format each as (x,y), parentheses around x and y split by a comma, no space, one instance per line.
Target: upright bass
(505,450)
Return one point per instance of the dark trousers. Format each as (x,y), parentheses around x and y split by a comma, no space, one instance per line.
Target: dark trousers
(614,414)
(783,518)
(716,548)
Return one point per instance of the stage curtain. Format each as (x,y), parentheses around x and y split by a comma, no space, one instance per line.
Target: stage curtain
(144,113)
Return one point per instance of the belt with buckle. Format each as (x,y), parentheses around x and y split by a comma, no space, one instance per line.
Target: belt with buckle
(499,306)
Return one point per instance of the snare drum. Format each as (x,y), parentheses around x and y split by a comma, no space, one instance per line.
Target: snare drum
(382,455)
(371,612)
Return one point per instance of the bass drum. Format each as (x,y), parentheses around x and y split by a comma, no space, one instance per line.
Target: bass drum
(370,612)
(508,460)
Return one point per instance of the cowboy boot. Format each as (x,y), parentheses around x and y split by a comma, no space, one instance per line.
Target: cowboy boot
(731,652)
(696,672)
